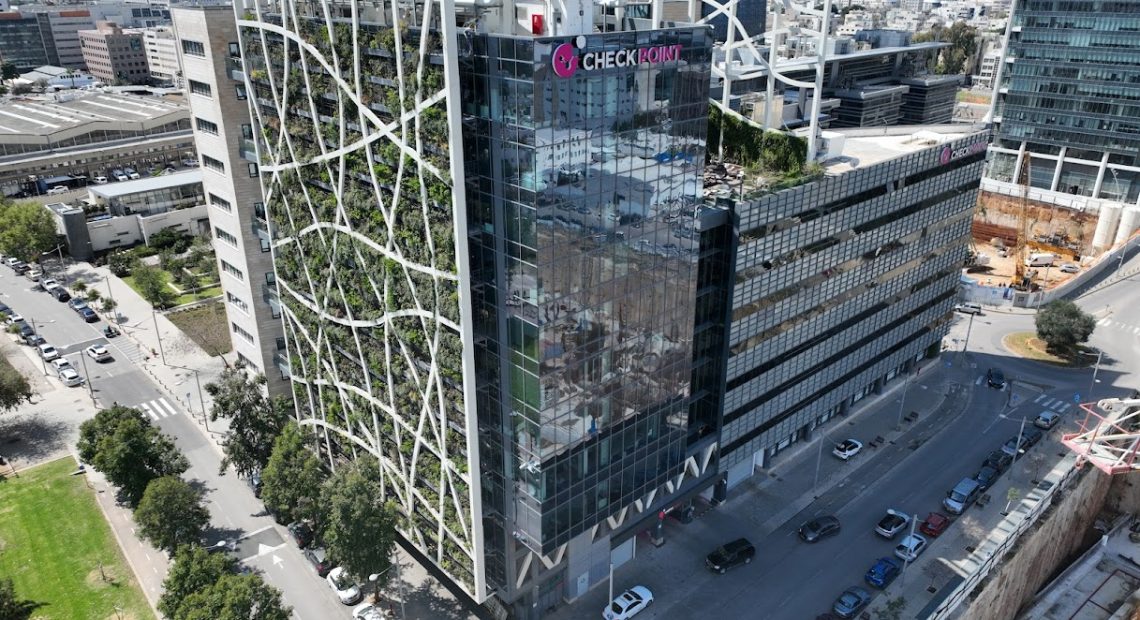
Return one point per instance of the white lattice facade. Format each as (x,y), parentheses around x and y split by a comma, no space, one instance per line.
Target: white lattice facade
(354,121)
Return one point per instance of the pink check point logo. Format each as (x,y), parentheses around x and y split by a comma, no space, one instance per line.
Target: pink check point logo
(565,60)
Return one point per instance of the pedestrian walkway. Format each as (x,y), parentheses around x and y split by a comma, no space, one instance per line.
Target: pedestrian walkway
(157,409)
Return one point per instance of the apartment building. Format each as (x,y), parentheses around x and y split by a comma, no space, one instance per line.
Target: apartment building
(162,56)
(60,33)
(208,50)
(114,55)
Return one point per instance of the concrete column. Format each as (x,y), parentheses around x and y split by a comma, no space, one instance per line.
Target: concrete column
(1100,175)
(1057,170)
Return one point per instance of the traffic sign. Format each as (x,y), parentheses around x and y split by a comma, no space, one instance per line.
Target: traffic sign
(1077,398)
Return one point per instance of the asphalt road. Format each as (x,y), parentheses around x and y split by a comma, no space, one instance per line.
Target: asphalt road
(236,514)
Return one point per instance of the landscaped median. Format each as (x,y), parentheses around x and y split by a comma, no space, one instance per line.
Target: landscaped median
(58,549)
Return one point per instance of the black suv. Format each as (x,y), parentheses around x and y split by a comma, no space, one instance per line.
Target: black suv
(995,378)
(998,460)
(731,554)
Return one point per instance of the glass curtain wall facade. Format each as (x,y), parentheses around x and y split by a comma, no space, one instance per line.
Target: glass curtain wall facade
(582,192)
(839,284)
(1071,95)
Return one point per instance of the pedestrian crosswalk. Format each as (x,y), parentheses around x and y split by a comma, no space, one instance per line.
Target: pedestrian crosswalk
(158,408)
(1107,322)
(1053,404)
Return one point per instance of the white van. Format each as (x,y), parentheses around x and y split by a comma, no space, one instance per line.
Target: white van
(968,307)
(1040,260)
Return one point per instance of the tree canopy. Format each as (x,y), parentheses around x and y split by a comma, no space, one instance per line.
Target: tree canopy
(1063,325)
(235,597)
(129,451)
(255,419)
(151,284)
(963,40)
(194,569)
(170,513)
(14,387)
(12,607)
(26,230)
(359,528)
(291,480)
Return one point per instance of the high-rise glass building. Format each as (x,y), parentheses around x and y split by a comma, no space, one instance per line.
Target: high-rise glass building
(488,252)
(1068,98)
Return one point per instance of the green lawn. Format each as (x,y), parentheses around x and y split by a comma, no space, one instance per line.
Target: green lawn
(53,538)
(182,299)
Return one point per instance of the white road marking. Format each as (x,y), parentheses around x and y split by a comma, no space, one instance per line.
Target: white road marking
(1104,321)
(1058,406)
(979,381)
(146,408)
(1040,398)
(167,406)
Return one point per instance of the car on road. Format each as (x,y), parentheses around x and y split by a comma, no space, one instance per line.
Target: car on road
(48,284)
(995,378)
(98,352)
(21,267)
(963,494)
(100,180)
(320,560)
(48,352)
(254,482)
(77,303)
(890,525)
(11,261)
(33,339)
(1015,445)
(851,602)
(70,378)
(819,528)
(5,310)
(132,173)
(14,318)
(911,547)
(847,448)
(986,477)
(341,583)
(934,524)
(628,604)
(998,460)
(368,611)
(1070,268)
(34,274)
(301,532)
(57,190)
(730,555)
(26,332)
(1047,419)
(882,572)
(968,308)
(1032,436)
(88,315)
(60,294)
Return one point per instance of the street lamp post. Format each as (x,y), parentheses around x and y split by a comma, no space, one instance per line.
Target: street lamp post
(906,562)
(818,462)
(87,376)
(969,328)
(42,360)
(375,579)
(62,269)
(902,401)
(1096,369)
(201,400)
(114,308)
(157,336)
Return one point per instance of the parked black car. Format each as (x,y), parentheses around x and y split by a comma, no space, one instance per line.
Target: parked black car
(320,560)
(986,477)
(301,532)
(60,293)
(819,528)
(730,554)
(998,460)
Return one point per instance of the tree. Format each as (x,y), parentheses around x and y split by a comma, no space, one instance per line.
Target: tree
(121,263)
(291,480)
(255,419)
(14,387)
(171,514)
(9,71)
(1063,325)
(893,609)
(151,284)
(235,597)
(359,528)
(963,40)
(129,451)
(193,570)
(78,287)
(11,607)
(26,230)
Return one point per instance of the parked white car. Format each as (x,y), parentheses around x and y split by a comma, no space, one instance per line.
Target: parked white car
(368,611)
(847,448)
(1047,419)
(60,365)
(911,547)
(341,583)
(630,603)
(1070,268)
(57,190)
(48,352)
(70,378)
(101,180)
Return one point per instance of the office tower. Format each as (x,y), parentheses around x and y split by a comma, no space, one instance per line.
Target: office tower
(752,14)
(223,134)
(60,33)
(1066,98)
(162,56)
(114,55)
(842,284)
(486,253)
(21,43)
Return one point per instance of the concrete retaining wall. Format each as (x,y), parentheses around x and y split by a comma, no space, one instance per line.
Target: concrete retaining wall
(1061,536)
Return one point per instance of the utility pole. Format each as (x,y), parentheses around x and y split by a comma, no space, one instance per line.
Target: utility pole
(902,401)
(157,336)
(114,309)
(42,360)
